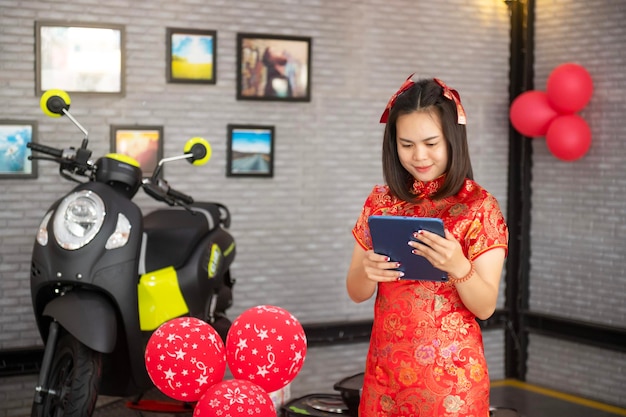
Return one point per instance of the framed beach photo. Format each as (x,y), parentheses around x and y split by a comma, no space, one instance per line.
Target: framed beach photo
(191,56)
(273,67)
(250,151)
(15,135)
(79,57)
(144,143)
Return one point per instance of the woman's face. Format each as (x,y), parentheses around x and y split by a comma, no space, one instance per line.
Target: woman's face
(422,148)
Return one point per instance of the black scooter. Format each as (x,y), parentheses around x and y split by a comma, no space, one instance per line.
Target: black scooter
(104,276)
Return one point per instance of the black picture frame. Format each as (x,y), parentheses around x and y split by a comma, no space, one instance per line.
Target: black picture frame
(15,162)
(80,57)
(191,56)
(144,143)
(273,67)
(250,151)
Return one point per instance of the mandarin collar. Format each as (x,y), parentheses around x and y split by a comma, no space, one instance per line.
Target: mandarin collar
(427,188)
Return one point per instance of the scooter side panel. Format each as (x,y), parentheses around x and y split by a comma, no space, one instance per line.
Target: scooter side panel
(159,298)
(204,273)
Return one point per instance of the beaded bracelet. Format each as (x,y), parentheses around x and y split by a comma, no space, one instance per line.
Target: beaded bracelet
(453,280)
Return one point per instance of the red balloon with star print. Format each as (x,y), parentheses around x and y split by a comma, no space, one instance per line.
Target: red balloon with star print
(267,346)
(235,398)
(184,357)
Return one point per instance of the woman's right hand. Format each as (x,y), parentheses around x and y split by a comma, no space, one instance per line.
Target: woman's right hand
(379,268)
(366,270)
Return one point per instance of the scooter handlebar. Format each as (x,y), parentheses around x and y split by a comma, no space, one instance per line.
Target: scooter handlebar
(183,198)
(155,192)
(48,150)
(162,192)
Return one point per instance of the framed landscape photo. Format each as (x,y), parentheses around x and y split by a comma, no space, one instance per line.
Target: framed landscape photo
(144,143)
(250,151)
(191,56)
(273,67)
(15,135)
(79,57)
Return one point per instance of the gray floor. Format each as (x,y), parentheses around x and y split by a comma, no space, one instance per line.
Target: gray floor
(535,403)
(504,398)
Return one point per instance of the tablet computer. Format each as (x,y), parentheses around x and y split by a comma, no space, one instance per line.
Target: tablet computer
(390,235)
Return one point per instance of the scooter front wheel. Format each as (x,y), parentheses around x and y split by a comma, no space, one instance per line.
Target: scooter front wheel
(72,385)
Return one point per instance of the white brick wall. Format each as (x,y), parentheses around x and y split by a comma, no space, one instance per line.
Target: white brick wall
(292,231)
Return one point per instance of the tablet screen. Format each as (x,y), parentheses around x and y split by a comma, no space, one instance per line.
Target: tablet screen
(390,235)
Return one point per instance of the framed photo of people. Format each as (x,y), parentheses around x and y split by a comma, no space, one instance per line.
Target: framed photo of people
(144,143)
(191,56)
(250,151)
(15,135)
(273,67)
(79,57)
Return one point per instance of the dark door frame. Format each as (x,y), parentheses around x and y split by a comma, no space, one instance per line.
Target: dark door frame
(521,77)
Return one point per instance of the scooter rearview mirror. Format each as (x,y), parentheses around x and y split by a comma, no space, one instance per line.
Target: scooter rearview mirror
(199,151)
(55,103)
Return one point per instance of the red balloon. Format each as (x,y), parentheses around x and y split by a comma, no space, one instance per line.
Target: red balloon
(184,357)
(235,398)
(569,88)
(531,113)
(569,137)
(266,345)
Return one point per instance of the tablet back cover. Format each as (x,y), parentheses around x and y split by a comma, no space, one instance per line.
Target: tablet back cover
(390,235)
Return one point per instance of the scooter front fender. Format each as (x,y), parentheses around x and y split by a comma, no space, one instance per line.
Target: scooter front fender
(88,316)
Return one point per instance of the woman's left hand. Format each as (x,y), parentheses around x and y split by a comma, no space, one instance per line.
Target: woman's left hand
(443,253)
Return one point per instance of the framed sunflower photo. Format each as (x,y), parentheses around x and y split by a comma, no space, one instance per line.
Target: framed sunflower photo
(191,56)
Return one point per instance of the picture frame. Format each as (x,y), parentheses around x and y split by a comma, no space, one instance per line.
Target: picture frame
(191,56)
(250,151)
(144,143)
(273,67)
(15,162)
(80,57)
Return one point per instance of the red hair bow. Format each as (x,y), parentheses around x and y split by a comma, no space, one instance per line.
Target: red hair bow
(453,95)
(407,84)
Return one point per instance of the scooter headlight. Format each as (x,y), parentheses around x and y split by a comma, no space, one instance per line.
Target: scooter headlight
(78,219)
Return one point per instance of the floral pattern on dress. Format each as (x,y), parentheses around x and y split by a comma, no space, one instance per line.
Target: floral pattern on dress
(426,354)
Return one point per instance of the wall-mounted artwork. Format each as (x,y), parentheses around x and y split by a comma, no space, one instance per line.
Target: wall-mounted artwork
(15,135)
(191,56)
(250,151)
(144,143)
(79,57)
(273,67)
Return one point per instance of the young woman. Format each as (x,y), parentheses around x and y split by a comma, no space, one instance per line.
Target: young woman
(426,353)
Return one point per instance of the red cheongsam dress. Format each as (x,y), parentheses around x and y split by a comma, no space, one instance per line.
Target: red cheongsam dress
(426,356)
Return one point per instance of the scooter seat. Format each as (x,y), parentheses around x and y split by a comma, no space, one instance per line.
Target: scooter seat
(172,235)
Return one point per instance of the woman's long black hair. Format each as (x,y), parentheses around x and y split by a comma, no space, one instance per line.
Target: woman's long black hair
(426,96)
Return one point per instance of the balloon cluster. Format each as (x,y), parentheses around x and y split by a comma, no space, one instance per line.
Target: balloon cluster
(265,350)
(553,113)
